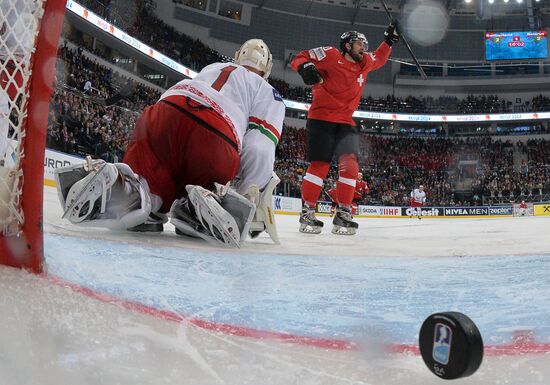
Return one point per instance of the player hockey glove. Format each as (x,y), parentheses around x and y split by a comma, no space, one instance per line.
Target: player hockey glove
(391,35)
(309,73)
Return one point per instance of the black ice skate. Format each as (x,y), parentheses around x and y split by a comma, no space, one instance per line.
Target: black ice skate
(308,223)
(153,224)
(343,222)
(185,220)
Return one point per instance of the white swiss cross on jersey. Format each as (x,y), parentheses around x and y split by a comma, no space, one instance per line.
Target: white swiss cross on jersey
(360,80)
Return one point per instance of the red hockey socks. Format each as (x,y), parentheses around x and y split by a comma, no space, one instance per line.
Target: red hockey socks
(348,168)
(313,182)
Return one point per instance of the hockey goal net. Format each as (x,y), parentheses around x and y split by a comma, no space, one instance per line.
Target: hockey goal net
(29,35)
(527,211)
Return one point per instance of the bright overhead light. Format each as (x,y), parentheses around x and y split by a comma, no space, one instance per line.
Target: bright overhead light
(468,1)
(491,1)
(505,1)
(519,1)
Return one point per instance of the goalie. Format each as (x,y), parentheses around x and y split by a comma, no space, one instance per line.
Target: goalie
(221,126)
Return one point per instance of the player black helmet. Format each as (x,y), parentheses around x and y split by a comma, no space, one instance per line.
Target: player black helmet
(350,37)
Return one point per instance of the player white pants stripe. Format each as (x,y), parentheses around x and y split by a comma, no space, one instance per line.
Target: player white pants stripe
(348,181)
(313,179)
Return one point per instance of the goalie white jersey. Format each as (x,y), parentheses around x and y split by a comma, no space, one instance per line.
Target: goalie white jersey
(253,109)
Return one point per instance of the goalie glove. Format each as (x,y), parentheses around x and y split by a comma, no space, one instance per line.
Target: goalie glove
(392,33)
(310,74)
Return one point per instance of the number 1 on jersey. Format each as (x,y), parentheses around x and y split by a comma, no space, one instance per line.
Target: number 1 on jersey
(222,78)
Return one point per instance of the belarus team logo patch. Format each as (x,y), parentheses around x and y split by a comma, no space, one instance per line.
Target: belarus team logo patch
(277,96)
(443,336)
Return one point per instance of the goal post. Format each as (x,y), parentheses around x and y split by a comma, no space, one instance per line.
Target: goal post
(29,36)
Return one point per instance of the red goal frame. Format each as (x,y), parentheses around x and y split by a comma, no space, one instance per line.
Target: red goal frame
(26,249)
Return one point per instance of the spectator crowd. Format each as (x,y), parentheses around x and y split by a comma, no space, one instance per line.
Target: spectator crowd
(142,23)
(80,122)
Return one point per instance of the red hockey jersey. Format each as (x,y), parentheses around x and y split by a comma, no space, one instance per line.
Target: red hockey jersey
(361,189)
(337,97)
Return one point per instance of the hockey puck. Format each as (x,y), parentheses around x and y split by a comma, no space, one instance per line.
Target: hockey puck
(451,345)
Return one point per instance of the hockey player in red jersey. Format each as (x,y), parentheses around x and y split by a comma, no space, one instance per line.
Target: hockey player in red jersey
(361,189)
(523,208)
(223,125)
(338,79)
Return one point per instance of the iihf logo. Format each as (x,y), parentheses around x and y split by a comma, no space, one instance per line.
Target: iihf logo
(443,335)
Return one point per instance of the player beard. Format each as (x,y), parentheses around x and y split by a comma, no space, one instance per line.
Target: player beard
(356,56)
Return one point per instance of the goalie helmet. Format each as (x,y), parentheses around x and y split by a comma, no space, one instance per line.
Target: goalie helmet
(350,37)
(255,53)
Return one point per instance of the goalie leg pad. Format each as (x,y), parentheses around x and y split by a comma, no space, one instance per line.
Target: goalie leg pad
(185,220)
(87,196)
(183,217)
(239,207)
(205,209)
(102,194)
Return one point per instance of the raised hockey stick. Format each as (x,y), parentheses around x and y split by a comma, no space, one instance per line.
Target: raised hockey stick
(418,66)
(122,93)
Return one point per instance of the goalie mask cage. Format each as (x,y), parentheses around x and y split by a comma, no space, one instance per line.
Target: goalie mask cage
(29,35)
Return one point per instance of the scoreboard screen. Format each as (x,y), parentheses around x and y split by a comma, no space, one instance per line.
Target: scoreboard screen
(516,45)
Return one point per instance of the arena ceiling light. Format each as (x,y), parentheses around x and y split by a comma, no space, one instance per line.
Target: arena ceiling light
(491,1)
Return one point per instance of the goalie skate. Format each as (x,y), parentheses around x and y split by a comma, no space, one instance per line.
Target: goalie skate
(184,219)
(343,223)
(308,223)
(203,208)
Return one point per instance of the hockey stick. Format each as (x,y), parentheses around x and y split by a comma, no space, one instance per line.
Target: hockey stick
(418,66)
(126,90)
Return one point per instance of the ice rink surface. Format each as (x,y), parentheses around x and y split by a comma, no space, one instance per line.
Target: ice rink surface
(126,308)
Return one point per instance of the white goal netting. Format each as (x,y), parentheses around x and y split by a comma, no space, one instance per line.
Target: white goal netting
(527,211)
(19,27)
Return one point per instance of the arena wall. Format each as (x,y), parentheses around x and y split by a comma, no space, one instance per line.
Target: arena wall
(292,206)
